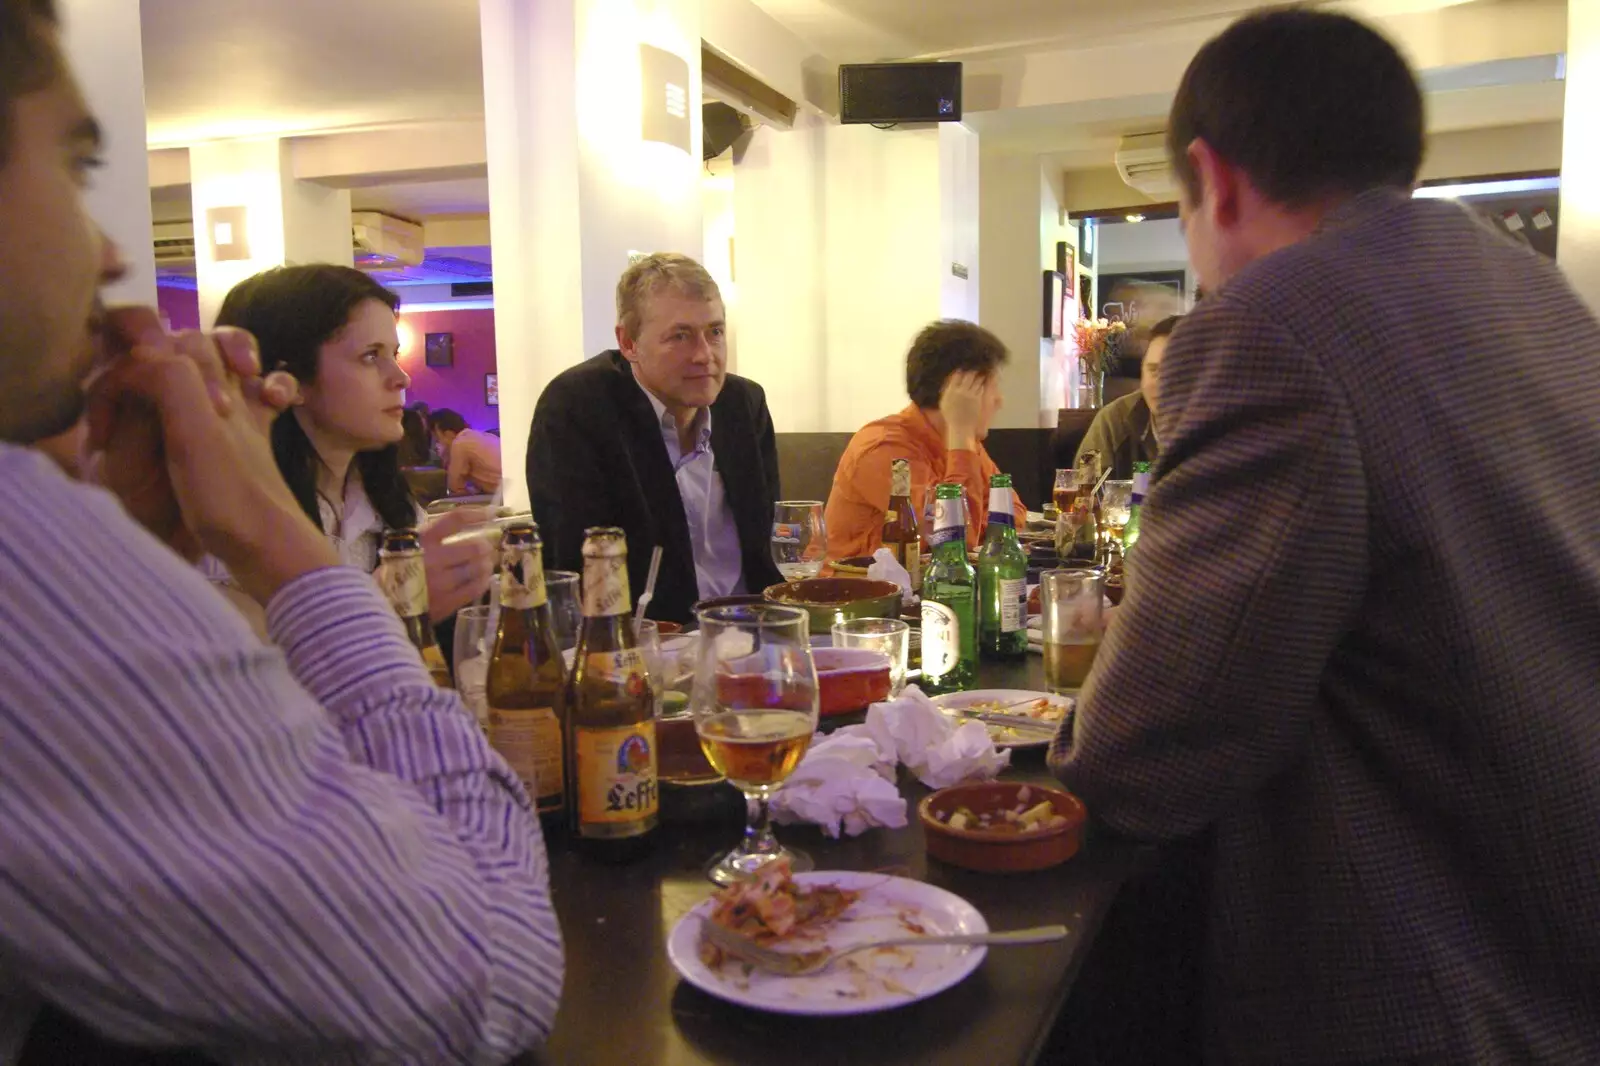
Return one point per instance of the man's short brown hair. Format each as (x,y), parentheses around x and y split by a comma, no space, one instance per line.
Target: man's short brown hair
(28,58)
(947,347)
(651,274)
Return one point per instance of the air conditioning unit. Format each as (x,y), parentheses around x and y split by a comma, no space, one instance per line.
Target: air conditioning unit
(1142,162)
(385,241)
(174,242)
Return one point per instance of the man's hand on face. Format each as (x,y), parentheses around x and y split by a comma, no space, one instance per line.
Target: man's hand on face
(961,406)
(180,426)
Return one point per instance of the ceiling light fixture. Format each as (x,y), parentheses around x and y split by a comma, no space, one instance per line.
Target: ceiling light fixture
(1134,218)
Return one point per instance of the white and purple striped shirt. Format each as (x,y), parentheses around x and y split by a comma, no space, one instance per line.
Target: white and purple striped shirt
(298,855)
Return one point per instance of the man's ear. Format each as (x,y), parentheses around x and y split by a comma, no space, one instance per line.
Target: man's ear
(1220,183)
(625,345)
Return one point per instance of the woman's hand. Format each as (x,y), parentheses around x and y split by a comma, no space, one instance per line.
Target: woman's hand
(458,574)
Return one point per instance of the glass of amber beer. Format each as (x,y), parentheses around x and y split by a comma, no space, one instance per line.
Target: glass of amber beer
(1072,609)
(755,706)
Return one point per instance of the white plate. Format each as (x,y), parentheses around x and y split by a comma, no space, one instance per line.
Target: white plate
(869,981)
(955,701)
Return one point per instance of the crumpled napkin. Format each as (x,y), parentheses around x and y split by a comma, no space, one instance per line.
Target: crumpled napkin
(885,567)
(846,780)
(937,750)
(842,783)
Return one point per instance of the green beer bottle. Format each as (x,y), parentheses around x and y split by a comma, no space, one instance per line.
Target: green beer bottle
(1002,579)
(949,595)
(1141,488)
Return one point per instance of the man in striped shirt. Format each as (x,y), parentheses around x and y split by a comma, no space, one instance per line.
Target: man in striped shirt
(296,853)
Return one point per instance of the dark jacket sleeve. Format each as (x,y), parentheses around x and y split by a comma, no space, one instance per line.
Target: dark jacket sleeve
(566,473)
(767,447)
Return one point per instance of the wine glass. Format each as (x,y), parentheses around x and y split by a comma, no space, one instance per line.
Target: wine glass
(799,538)
(473,649)
(754,702)
(1116,506)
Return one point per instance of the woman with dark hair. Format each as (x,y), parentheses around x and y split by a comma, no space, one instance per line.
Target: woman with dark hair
(416,446)
(334,329)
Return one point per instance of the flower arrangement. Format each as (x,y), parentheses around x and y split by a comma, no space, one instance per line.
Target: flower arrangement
(1099,343)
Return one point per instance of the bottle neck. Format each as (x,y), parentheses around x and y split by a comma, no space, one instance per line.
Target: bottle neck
(605,587)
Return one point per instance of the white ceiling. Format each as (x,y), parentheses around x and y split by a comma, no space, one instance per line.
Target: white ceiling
(219,68)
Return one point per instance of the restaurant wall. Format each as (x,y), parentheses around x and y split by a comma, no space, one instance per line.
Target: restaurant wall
(459,387)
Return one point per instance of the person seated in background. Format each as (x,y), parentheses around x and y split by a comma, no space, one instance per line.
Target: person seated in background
(333,328)
(416,443)
(952,376)
(1124,431)
(656,437)
(301,851)
(471,459)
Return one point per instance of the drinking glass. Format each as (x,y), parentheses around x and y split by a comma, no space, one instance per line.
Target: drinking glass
(888,636)
(799,538)
(1065,489)
(1072,609)
(473,648)
(1116,506)
(565,607)
(670,660)
(754,702)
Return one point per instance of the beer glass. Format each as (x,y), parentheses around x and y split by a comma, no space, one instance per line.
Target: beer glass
(754,702)
(887,636)
(799,538)
(1116,506)
(1072,618)
(1065,489)
(670,662)
(473,648)
(565,608)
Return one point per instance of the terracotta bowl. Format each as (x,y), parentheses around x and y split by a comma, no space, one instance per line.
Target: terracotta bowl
(838,599)
(850,679)
(992,852)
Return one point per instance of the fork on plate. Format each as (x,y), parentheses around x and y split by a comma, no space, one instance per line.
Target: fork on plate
(805,963)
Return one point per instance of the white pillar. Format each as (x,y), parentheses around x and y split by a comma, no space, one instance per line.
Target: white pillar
(592,114)
(246,190)
(103,44)
(1579,246)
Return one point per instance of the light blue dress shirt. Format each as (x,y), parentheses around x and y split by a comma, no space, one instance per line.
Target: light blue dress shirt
(718,559)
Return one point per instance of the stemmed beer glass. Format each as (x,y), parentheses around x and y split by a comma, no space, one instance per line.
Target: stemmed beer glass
(755,708)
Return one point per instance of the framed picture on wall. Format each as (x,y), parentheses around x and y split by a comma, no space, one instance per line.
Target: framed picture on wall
(439,349)
(491,389)
(1086,241)
(1054,328)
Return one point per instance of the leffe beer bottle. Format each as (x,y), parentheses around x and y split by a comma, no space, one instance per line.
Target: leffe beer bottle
(611,722)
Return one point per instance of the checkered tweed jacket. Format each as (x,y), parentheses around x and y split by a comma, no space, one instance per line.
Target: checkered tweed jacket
(1361,642)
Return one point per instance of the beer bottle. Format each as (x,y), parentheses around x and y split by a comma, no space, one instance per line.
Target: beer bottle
(527,683)
(1141,488)
(949,594)
(403,579)
(1002,579)
(611,731)
(901,534)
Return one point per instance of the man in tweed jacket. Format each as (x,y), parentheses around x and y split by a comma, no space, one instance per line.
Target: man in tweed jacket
(1361,641)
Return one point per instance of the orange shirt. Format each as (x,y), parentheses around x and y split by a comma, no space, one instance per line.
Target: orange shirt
(860,496)
(474,461)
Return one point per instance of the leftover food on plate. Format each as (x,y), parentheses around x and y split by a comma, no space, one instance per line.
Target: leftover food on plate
(771,908)
(1024,817)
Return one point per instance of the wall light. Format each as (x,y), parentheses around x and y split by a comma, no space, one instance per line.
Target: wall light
(228,230)
(408,339)
(1134,218)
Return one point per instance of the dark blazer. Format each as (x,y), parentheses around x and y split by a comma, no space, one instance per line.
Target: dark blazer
(596,458)
(1361,642)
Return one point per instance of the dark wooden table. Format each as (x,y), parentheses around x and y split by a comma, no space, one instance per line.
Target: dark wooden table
(623,1003)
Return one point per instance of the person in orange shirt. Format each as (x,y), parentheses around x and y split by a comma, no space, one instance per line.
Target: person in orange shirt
(952,375)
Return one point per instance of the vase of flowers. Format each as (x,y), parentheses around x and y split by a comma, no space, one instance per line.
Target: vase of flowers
(1099,344)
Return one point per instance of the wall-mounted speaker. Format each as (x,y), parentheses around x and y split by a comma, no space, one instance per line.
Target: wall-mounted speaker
(884,93)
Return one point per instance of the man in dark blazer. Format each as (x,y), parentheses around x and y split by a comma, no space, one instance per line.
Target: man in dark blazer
(1361,638)
(658,438)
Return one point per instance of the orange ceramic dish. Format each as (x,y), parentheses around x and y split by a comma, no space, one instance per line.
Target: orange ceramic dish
(1001,851)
